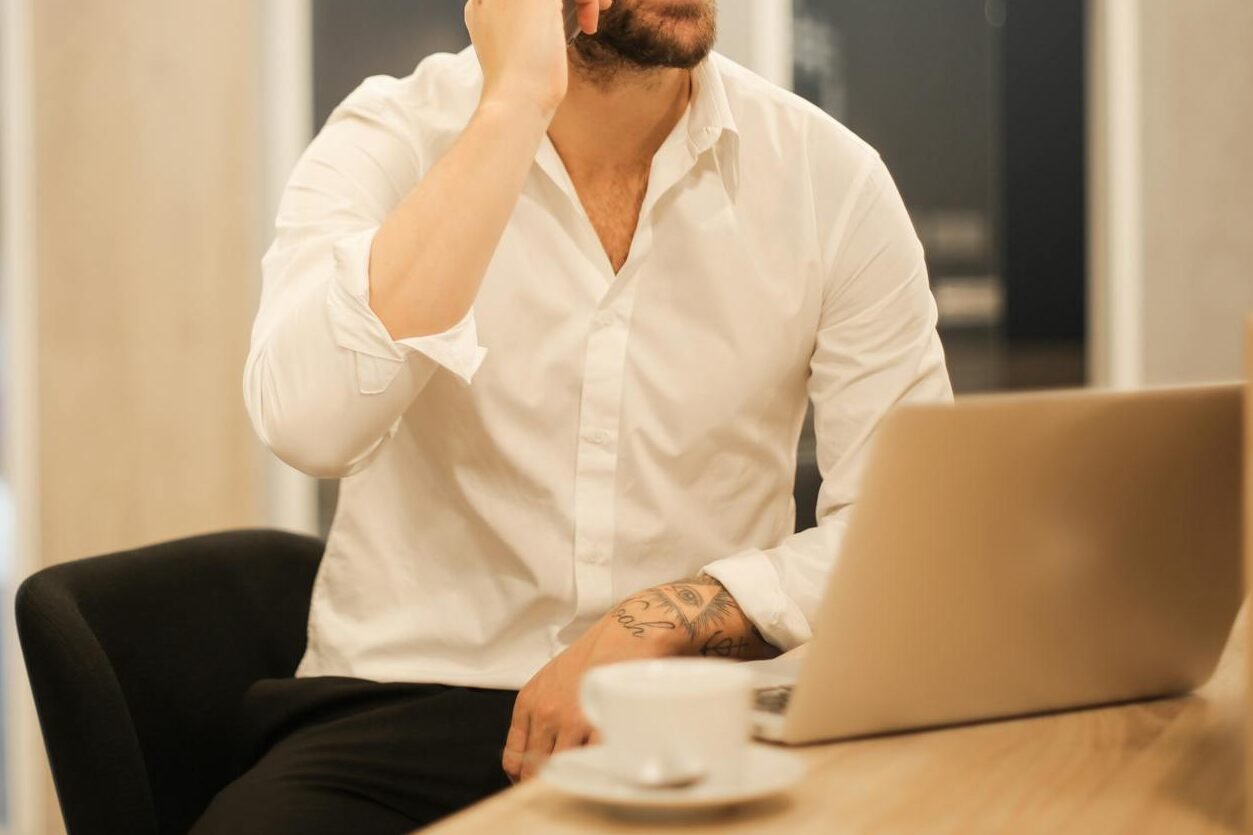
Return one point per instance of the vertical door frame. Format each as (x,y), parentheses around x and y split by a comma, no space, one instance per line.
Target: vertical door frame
(758,34)
(287,123)
(26,789)
(1116,188)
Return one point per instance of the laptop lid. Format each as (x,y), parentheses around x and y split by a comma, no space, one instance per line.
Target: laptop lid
(1028,553)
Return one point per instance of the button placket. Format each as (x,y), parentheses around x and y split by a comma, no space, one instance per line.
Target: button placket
(601,407)
(598,447)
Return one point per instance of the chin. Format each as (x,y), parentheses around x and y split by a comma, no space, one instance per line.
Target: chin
(653,33)
(698,13)
(685,24)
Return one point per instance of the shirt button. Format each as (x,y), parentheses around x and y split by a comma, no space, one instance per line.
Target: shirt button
(604,320)
(600,437)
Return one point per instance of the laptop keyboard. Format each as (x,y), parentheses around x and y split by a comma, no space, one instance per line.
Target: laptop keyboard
(773,699)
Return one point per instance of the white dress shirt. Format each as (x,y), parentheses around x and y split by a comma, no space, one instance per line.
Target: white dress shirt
(582,435)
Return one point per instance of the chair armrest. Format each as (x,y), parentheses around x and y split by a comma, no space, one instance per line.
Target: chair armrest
(149,651)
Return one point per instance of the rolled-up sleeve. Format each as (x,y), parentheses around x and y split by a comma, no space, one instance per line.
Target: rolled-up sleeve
(876,347)
(325,384)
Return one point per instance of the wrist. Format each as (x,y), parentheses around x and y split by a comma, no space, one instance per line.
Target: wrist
(521,111)
(689,618)
(639,632)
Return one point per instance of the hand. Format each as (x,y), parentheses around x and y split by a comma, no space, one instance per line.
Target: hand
(547,717)
(691,617)
(521,45)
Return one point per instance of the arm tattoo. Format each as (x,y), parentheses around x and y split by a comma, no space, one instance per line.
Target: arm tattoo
(689,609)
(704,610)
(636,626)
(724,646)
(716,612)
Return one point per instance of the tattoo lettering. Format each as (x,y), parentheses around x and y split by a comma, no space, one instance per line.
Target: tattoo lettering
(725,646)
(636,626)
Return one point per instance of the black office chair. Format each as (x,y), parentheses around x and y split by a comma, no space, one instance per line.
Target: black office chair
(805,491)
(138,661)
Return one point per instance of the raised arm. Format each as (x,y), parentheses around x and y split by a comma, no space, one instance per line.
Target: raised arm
(379,253)
(466,200)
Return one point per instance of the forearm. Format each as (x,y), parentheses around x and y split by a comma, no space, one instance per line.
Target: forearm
(430,255)
(692,617)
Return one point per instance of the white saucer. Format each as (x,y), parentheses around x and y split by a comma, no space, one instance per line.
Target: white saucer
(585,773)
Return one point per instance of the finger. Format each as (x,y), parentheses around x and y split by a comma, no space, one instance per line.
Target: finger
(573,735)
(539,747)
(589,14)
(515,745)
(594,737)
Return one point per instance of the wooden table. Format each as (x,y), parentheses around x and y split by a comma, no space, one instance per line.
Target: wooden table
(1174,766)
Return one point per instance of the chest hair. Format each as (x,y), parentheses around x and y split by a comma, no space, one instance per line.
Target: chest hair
(613,201)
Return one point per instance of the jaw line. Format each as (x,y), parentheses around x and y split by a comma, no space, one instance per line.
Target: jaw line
(632,24)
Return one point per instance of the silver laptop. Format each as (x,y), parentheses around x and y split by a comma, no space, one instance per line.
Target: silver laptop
(1021,554)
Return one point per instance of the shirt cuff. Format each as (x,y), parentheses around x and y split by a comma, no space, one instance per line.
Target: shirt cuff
(358,329)
(752,580)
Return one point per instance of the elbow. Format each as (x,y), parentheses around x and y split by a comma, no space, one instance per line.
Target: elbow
(315,459)
(300,432)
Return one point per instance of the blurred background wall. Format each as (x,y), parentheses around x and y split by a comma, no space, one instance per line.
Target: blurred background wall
(144,238)
(146,241)
(1171,188)
(1198,187)
(1079,172)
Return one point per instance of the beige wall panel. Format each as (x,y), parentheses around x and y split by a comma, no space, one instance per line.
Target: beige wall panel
(147,242)
(1198,187)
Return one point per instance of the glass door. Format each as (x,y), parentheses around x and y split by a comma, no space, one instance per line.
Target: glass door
(977,107)
(354,39)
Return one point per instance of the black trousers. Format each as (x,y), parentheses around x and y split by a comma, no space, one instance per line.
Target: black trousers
(335,755)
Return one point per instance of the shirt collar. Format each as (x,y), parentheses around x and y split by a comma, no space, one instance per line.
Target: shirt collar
(710,125)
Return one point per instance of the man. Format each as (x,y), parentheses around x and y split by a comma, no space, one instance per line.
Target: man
(553,316)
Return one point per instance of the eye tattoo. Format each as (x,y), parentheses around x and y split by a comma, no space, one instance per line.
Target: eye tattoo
(688,596)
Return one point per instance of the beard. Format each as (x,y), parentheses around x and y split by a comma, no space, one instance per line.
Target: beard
(667,35)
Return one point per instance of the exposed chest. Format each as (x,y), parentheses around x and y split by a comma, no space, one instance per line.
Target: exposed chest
(613,202)
(715,314)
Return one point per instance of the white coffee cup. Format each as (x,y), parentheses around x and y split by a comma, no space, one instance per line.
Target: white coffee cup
(670,720)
